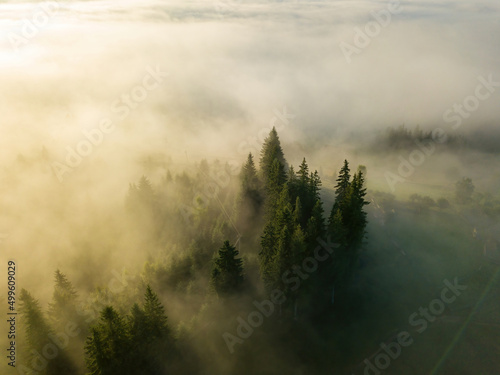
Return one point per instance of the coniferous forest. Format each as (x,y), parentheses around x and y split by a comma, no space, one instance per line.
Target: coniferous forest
(267,271)
(294,261)
(251,187)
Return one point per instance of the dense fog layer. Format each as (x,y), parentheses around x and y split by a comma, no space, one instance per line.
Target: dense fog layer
(96,94)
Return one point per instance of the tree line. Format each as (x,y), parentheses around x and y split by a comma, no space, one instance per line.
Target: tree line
(290,208)
(280,215)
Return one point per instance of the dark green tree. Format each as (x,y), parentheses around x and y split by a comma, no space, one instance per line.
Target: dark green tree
(62,309)
(248,176)
(266,255)
(108,347)
(273,169)
(298,253)
(339,213)
(347,221)
(227,274)
(63,313)
(152,343)
(274,185)
(271,151)
(251,197)
(292,183)
(315,185)
(283,259)
(358,220)
(38,333)
(343,185)
(303,182)
(276,252)
(303,192)
(297,211)
(154,313)
(315,228)
(346,227)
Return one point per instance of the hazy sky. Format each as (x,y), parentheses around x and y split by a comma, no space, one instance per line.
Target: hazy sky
(224,71)
(231,64)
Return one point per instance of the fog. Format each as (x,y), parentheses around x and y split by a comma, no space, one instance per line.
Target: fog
(169,83)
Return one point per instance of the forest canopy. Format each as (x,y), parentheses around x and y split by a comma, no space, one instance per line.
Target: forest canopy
(276,250)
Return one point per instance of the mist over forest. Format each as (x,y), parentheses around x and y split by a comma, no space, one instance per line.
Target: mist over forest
(250,187)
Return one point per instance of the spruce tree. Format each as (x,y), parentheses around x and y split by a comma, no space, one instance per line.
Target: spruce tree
(227,274)
(36,327)
(249,178)
(297,211)
(154,314)
(267,252)
(346,226)
(152,344)
(292,183)
(251,197)
(38,333)
(315,185)
(336,227)
(341,209)
(273,169)
(137,323)
(276,241)
(298,252)
(303,180)
(303,173)
(108,347)
(283,259)
(283,215)
(271,150)
(303,192)
(315,228)
(63,313)
(275,182)
(62,309)
(358,218)
(342,188)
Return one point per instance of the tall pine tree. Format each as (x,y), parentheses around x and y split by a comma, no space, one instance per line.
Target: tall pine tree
(38,335)
(152,343)
(251,197)
(227,274)
(273,169)
(271,150)
(346,225)
(108,346)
